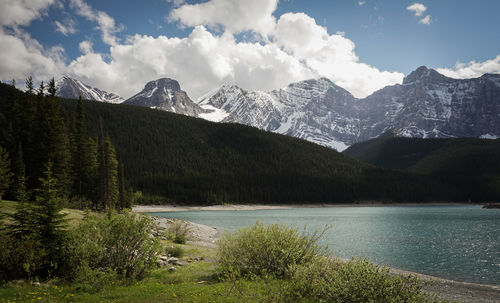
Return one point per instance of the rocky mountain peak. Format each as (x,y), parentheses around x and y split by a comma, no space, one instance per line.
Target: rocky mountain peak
(424,74)
(166,94)
(165,83)
(71,88)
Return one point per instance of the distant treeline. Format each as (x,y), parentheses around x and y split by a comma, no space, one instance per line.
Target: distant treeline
(174,158)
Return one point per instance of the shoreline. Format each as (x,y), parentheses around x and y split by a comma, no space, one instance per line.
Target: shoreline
(463,292)
(237,207)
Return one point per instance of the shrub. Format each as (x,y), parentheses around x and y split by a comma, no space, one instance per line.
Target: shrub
(179,231)
(174,251)
(329,280)
(119,243)
(20,257)
(272,249)
(93,280)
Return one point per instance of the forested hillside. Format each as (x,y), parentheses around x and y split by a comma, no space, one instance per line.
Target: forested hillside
(174,158)
(471,165)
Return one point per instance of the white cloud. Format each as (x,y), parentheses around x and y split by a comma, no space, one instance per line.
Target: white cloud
(418,8)
(361,3)
(291,49)
(426,20)
(16,13)
(22,56)
(106,24)
(234,16)
(200,62)
(472,69)
(67,27)
(85,47)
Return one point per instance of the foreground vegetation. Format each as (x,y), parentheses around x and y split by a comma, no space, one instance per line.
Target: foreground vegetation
(113,258)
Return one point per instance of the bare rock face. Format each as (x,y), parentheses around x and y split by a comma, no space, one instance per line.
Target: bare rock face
(426,105)
(166,94)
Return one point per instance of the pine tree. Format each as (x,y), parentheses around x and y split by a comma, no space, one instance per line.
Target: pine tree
(41,90)
(52,141)
(5,173)
(79,150)
(52,88)
(108,171)
(19,168)
(24,217)
(29,85)
(102,174)
(91,164)
(13,82)
(123,197)
(49,219)
(112,174)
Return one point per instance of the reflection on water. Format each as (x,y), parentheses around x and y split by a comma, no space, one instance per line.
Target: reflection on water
(456,242)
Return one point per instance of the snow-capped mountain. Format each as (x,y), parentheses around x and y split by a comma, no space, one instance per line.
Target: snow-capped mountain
(427,104)
(166,94)
(70,88)
(306,109)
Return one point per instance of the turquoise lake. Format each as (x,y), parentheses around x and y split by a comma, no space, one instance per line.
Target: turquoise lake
(460,243)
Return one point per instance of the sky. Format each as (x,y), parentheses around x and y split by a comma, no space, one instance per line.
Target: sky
(361,45)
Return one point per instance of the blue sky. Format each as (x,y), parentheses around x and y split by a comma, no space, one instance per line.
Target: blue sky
(258,44)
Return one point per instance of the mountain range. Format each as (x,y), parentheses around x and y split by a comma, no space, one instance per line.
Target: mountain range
(426,105)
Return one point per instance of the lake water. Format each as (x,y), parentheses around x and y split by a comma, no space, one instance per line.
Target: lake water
(461,243)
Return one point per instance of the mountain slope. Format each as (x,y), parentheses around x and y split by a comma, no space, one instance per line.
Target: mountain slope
(165,94)
(72,89)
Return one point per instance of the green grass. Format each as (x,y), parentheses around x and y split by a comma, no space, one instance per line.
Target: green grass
(195,282)
(73,215)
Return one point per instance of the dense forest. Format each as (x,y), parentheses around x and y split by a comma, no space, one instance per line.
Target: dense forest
(169,158)
(471,165)
(39,137)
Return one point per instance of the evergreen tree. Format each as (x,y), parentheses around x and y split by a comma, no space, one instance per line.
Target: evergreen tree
(102,177)
(29,86)
(83,164)
(5,173)
(108,171)
(19,168)
(52,141)
(41,90)
(91,165)
(49,219)
(52,88)
(13,82)
(123,197)
(24,217)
